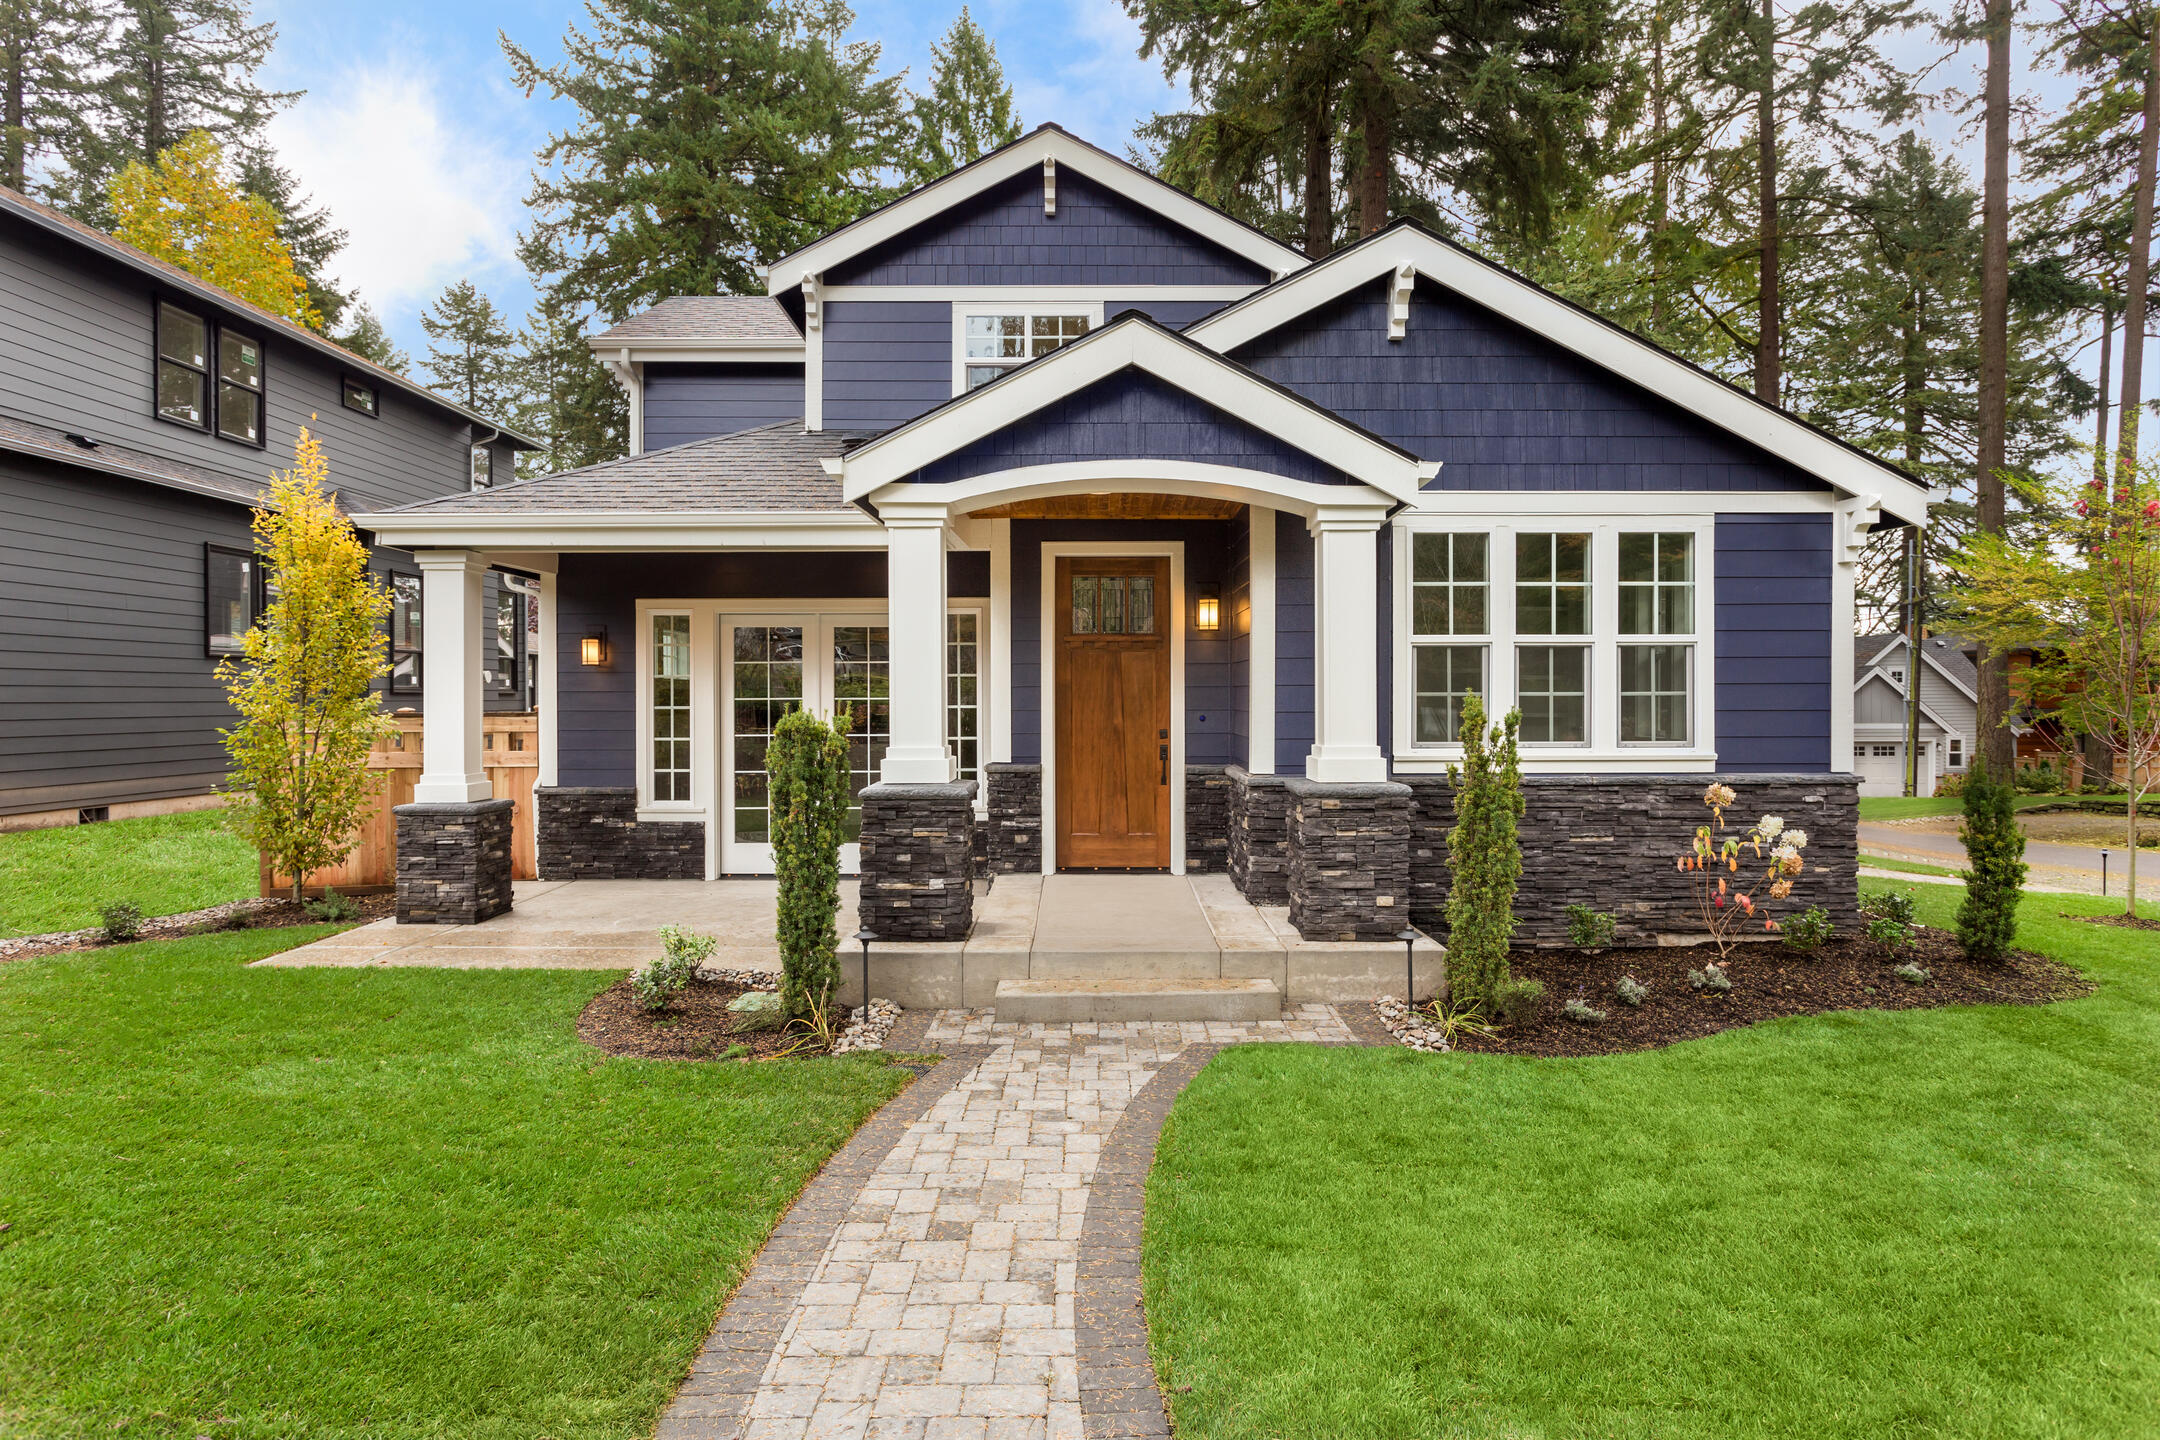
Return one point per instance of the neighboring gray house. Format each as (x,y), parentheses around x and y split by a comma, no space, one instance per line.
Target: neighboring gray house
(141,411)
(1949,710)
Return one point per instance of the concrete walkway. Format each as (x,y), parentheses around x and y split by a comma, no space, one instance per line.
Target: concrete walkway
(2071,869)
(980,1280)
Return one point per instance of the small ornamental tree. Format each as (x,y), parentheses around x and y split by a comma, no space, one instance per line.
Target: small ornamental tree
(807,762)
(299,785)
(1995,855)
(1486,857)
(186,212)
(1727,909)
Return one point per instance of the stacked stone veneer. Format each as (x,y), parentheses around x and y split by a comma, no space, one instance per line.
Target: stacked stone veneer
(1349,860)
(593,833)
(917,841)
(1259,847)
(453,862)
(1207,819)
(1012,831)
(1609,842)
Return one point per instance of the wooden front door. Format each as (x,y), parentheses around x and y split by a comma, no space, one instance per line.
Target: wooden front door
(1113,713)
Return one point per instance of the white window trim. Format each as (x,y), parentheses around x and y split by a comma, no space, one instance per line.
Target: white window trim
(978,607)
(701,717)
(987,305)
(1603,752)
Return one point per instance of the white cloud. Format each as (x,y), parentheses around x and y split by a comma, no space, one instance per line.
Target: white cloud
(425,198)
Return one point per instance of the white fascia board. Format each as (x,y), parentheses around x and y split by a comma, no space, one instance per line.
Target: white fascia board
(1678,505)
(1025,157)
(1596,340)
(677,350)
(1358,504)
(1034,294)
(655,530)
(1131,345)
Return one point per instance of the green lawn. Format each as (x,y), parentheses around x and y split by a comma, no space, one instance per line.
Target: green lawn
(1938,1223)
(1909,867)
(1907,807)
(57,879)
(381,1203)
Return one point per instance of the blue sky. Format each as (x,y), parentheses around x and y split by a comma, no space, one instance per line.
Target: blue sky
(413,134)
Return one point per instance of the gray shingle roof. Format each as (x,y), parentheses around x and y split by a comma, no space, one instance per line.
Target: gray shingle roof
(774,467)
(24,438)
(1947,651)
(707,317)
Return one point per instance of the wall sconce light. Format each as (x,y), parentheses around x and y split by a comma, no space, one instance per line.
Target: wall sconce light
(1207,616)
(592,650)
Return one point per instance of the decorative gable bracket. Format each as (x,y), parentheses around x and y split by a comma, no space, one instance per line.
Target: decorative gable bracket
(813,309)
(1399,287)
(1855,517)
(1049,185)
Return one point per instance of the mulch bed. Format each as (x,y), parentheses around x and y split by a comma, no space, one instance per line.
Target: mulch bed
(248,914)
(2127,922)
(695,1026)
(1769,982)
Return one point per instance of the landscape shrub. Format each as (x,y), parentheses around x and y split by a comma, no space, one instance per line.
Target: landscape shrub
(1995,873)
(681,952)
(1714,863)
(1583,1013)
(1889,916)
(808,764)
(1486,857)
(1589,929)
(2039,778)
(333,908)
(1711,979)
(1516,1001)
(1951,785)
(121,921)
(1632,992)
(1808,931)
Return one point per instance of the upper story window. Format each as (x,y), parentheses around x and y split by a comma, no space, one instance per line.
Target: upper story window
(233,598)
(361,396)
(1897,675)
(991,344)
(209,377)
(483,467)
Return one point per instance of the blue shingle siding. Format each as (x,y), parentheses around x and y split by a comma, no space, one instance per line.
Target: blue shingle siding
(1130,416)
(885,361)
(695,402)
(1173,314)
(1211,724)
(1499,406)
(1002,237)
(1293,643)
(1773,644)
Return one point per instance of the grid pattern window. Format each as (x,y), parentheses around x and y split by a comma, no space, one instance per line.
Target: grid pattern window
(1552,689)
(1654,694)
(232,598)
(963,692)
(240,388)
(862,690)
(361,396)
(183,370)
(1657,597)
(1552,584)
(1450,595)
(997,343)
(1444,676)
(1957,752)
(1113,605)
(670,707)
(406,640)
(768,684)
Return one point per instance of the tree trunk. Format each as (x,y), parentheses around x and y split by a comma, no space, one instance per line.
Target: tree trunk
(1319,183)
(2130,805)
(1915,419)
(1768,342)
(1997,744)
(1376,124)
(1660,175)
(14,154)
(2107,354)
(2139,278)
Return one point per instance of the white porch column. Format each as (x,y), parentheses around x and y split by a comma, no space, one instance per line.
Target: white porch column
(915,619)
(452,769)
(1346,672)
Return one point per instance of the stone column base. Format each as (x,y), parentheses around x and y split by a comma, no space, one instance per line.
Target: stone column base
(1349,860)
(1014,841)
(1207,819)
(591,832)
(916,843)
(1259,848)
(453,862)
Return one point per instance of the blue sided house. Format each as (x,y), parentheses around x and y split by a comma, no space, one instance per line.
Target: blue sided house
(1122,537)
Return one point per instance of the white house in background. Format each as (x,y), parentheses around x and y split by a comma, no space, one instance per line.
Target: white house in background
(1949,711)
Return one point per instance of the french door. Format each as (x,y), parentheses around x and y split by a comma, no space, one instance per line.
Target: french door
(772,665)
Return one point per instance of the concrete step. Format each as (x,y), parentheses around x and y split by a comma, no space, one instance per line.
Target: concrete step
(1126,997)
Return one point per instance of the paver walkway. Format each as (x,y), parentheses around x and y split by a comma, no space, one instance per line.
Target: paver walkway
(982,1282)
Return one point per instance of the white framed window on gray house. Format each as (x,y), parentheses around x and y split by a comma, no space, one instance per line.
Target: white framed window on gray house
(1957,752)
(233,598)
(670,713)
(963,691)
(1589,625)
(406,641)
(990,339)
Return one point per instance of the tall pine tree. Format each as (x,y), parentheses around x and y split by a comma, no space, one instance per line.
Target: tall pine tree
(969,109)
(471,354)
(566,399)
(48,55)
(304,226)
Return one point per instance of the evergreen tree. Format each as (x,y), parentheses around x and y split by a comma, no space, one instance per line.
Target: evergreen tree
(471,354)
(305,227)
(1485,858)
(367,338)
(1995,857)
(969,110)
(713,136)
(566,398)
(48,52)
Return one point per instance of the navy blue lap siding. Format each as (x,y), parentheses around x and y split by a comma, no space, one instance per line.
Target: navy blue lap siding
(695,402)
(1500,407)
(1130,416)
(1773,644)
(1002,237)
(1294,610)
(885,361)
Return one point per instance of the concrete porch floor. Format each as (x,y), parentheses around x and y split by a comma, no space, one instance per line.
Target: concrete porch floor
(1027,927)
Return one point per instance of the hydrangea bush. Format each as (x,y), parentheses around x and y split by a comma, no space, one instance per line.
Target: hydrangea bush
(1728,909)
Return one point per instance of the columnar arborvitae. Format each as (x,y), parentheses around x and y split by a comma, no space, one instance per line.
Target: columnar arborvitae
(1486,857)
(807,762)
(1995,855)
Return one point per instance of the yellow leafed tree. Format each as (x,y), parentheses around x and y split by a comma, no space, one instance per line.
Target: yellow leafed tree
(184,211)
(299,784)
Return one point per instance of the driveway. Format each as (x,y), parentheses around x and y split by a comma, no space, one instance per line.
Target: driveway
(2070,867)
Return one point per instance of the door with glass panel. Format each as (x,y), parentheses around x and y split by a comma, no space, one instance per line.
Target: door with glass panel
(1113,714)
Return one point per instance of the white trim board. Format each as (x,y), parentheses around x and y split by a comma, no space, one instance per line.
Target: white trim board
(1046,697)
(1598,341)
(632,530)
(1026,156)
(1028,294)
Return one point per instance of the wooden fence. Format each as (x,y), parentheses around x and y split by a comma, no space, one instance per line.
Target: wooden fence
(511,746)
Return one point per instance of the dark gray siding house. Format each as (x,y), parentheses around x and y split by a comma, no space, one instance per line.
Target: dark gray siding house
(141,411)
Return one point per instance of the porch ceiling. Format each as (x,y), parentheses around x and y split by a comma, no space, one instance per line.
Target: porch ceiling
(1133,505)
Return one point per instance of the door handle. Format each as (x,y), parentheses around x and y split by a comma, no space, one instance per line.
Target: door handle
(1162,753)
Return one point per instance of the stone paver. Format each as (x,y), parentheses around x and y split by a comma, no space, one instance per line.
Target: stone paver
(965,1290)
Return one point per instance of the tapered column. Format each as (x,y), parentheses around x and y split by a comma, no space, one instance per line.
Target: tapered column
(452,768)
(915,617)
(1346,674)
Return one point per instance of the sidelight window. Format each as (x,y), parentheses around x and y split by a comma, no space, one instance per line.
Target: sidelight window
(963,692)
(670,708)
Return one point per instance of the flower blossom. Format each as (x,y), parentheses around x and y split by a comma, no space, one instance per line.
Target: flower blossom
(1719,795)
(1779,889)
(1769,826)
(1797,839)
